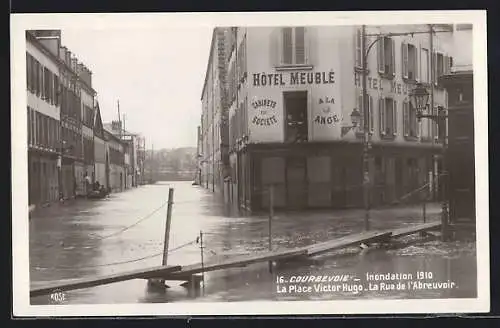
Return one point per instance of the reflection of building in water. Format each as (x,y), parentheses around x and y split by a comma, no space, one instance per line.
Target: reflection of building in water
(290,94)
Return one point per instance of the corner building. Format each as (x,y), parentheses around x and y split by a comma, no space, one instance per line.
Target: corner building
(291,91)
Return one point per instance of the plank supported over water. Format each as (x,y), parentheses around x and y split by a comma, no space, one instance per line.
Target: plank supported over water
(103,280)
(347,241)
(234,262)
(415,228)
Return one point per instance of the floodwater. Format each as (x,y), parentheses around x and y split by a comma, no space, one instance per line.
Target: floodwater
(86,238)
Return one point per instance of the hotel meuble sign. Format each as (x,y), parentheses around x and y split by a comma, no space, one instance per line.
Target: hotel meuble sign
(292,78)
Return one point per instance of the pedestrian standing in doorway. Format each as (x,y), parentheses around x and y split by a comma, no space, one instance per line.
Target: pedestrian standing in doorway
(87,183)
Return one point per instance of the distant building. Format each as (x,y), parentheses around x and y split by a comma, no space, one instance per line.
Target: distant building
(129,143)
(115,162)
(101,157)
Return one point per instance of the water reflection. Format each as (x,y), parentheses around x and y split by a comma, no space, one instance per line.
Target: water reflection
(66,242)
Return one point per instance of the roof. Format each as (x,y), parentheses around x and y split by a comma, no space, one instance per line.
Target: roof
(109,127)
(208,63)
(32,38)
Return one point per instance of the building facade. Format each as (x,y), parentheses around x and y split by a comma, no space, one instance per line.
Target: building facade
(291,92)
(115,162)
(88,117)
(214,128)
(129,142)
(460,150)
(42,76)
(101,169)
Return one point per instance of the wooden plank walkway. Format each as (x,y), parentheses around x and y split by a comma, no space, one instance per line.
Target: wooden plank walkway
(103,280)
(234,262)
(415,228)
(281,255)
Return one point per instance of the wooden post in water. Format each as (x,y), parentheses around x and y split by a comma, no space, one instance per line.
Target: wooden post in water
(161,282)
(271,214)
(167,226)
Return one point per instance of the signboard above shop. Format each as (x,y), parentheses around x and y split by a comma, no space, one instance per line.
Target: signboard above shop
(292,78)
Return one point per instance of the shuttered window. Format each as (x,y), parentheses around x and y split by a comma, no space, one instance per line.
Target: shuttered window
(294,50)
(388,117)
(386,57)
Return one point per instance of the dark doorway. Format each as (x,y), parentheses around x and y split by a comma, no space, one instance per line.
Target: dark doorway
(296,182)
(296,116)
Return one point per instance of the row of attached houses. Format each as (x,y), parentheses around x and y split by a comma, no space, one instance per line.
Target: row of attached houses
(66,137)
(277,105)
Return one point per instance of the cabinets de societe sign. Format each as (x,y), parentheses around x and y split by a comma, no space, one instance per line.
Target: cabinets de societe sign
(292,78)
(265,115)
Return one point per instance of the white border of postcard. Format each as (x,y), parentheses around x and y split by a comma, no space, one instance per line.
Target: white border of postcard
(20,226)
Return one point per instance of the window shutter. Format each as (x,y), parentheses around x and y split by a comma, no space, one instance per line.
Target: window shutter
(434,68)
(394,117)
(275,47)
(380,56)
(418,125)
(357,55)
(393,57)
(404,60)
(381,110)
(370,108)
(446,61)
(27,72)
(307,46)
(287,45)
(417,63)
(406,119)
(299,51)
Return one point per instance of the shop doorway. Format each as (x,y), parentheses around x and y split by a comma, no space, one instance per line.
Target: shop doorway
(296,183)
(295,116)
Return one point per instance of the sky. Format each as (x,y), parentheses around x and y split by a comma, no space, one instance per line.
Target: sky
(156,74)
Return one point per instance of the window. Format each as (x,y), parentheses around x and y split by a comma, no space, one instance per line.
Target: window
(359,105)
(442,65)
(29,126)
(386,57)
(358,56)
(410,121)
(410,61)
(388,117)
(293,46)
(424,66)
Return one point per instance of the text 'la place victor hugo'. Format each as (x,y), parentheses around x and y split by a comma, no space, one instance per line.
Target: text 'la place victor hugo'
(292,78)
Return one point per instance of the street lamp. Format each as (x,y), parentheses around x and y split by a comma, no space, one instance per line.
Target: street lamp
(355,120)
(419,97)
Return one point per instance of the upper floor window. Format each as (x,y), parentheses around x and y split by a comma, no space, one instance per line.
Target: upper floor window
(409,61)
(388,117)
(442,65)
(424,66)
(386,57)
(293,46)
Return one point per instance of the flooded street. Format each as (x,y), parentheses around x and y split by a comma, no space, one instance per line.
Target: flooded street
(86,238)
